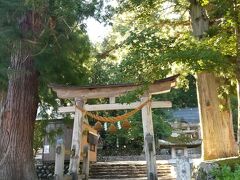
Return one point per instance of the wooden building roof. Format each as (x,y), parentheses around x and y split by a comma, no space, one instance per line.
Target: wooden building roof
(167,144)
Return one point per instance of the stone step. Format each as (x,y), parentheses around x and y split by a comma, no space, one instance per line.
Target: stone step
(103,167)
(68,177)
(127,171)
(139,165)
(129,168)
(127,165)
(127,174)
(139,178)
(134,178)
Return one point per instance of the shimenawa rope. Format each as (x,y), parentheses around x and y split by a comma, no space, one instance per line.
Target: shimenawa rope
(113,119)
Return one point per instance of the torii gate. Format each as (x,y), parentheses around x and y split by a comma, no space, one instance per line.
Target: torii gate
(82,93)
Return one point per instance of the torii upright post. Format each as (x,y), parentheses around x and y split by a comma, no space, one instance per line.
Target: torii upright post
(76,138)
(149,142)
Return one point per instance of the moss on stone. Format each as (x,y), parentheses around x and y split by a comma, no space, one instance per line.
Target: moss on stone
(181,139)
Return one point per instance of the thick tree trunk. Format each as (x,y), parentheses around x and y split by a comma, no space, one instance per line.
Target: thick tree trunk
(17,119)
(238,89)
(236,10)
(199,19)
(216,124)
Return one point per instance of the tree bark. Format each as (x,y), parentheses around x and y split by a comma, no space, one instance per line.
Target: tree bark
(238,92)
(237,30)
(216,125)
(238,99)
(18,116)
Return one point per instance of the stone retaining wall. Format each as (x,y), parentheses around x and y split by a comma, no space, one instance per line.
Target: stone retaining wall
(45,171)
(138,158)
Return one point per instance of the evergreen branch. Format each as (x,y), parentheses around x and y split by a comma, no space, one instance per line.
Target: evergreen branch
(105,54)
(41,51)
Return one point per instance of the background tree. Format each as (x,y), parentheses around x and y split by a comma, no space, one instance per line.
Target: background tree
(130,141)
(224,34)
(230,14)
(212,117)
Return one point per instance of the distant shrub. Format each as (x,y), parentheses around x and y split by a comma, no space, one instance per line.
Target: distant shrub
(226,173)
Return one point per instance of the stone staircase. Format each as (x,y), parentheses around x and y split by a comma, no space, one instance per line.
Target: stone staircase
(128,170)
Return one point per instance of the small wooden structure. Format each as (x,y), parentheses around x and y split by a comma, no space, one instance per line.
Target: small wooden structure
(83,93)
(89,138)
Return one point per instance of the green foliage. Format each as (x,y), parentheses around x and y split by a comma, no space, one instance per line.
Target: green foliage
(107,72)
(156,41)
(153,58)
(63,65)
(59,52)
(62,44)
(39,134)
(104,72)
(123,142)
(52,134)
(59,46)
(182,97)
(130,142)
(231,162)
(225,173)
(133,95)
(68,121)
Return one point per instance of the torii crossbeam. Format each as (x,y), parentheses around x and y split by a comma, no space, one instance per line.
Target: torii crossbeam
(82,93)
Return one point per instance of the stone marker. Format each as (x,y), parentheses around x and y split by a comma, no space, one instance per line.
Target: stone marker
(183,168)
(59,160)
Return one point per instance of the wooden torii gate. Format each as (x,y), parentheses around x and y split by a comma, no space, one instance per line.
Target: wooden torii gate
(82,93)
